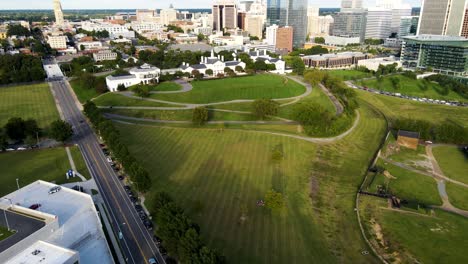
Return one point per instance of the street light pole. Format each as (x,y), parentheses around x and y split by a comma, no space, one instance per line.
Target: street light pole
(4,211)
(17,183)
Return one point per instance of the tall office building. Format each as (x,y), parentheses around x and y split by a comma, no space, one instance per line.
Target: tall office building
(271,34)
(442,17)
(379,23)
(291,13)
(168,15)
(350,23)
(285,38)
(58,13)
(351,4)
(224,15)
(408,26)
(254,25)
(388,4)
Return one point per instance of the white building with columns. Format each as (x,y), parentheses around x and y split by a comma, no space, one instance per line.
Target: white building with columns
(214,63)
(145,74)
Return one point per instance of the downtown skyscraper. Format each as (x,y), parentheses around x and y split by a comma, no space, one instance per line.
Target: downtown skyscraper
(292,13)
(58,13)
(444,17)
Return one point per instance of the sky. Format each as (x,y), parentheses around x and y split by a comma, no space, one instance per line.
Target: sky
(134,4)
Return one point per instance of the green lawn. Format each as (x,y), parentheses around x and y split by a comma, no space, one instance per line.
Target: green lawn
(412,87)
(458,195)
(250,87)
(394,108)
(218,175)
(85,93)
(167,86)
(115,99)
(80,162)
(452,162)
(28,101)
(349,74)
(29,166)
(4,233)
(408,185)
(181,115)
(317,96)
(413,238)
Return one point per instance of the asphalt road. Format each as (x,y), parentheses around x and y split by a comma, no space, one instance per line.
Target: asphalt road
(137,244)
(23,225)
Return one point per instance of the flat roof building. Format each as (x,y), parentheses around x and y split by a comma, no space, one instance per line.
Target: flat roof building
(104,55)
(284,38)
(57,42)
(336,60)
(444,54)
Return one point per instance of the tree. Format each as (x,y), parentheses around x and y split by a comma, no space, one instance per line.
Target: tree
(314,76)
(18,30)
(209,72)
(82,47)
(200,115)
(121,87)
(260,65)
(297,65)
(141,90)
(319,40)
(200,37)
(274,200)
(239,69)
(262,108)
(254,38)
(61,130)
(15,128)
(395,82)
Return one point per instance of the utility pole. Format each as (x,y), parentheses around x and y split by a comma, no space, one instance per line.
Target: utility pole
(17,183)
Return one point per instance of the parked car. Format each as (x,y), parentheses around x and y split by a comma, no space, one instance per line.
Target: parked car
(139,208)
(21,148)
(55,189)
(152,261)
(157,239)
(126,187)
(34,206)
(148,224)
(120,177)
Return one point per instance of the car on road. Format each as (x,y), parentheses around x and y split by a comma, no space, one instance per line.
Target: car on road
(152,261)
(55,189)
(121,177)
(148,224)
(34,206)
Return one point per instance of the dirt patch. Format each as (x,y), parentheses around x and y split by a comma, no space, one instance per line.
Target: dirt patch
(377,229)
(388,175)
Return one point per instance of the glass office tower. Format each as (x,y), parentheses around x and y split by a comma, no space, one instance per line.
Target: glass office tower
(291,13)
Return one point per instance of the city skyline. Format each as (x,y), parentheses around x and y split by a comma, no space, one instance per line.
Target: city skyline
(119,4)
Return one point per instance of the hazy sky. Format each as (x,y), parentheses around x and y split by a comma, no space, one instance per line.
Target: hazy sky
(130,4)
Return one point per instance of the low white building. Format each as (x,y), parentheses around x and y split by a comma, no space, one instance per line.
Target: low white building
(144,74)
(57,42)
(374,63)
(263,55)
(341,41)
(214,63)
(226,40)
(89,45)
(104,55)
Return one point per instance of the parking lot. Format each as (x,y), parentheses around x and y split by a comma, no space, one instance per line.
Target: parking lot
(23,225)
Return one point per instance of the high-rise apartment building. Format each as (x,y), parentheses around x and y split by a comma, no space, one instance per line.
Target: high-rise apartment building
(291,13)
(351,4)
(379,23)
(408,26)
(285,38)
(271,34)
(350,23)
(254,25)
(168,15)
(58,13)
(224,15)
(442,17)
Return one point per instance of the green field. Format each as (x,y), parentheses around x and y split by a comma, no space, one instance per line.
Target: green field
(167,86)
(28,101)
(416,238)
(115,99)
(408,185)
(458,195)
(83,93)
(393,108)
(218,175)
(80,162)
(28,166)
(4,233)
(452,162)
(412,87)
(181,115)
(250,87)
(349,74)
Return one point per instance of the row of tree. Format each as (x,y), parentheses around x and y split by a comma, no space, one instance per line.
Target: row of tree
(445,132)
(20,68)
(180,235)
(139,176)
(449,83)
(19,130)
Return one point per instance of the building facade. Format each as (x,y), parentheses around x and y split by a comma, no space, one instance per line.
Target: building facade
(348,4)
(444,54)
(285,38)
(57,42)
(271,34)
(442,17)
(145,74)
(291,13)
(168,15)
(224,15)
(350,24)
(104,55)
(254,25)
(379,23)
(337,60)
(58,12)
(408,26)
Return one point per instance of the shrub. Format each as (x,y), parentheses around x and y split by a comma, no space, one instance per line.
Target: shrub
(262,108)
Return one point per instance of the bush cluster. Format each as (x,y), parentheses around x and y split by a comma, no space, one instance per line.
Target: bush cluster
(180,235)
(445,132)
